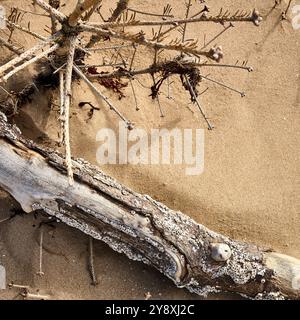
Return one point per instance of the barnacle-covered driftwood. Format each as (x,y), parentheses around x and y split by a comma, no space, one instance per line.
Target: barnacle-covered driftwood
(193,256)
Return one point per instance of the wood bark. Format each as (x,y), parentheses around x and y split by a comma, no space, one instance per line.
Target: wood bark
(138,226)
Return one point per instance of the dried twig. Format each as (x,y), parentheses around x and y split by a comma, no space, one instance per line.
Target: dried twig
(29,53)
(134,95)
(140,39)
(102,96)
(163,66)
(40,272)
(210,126)
(62,103)
(91,262)
(224,85)
(34,34)
(81,7)
(66,106)
(29,62)
(121,7)
(109,48)
(150,13)
(252,17)
(10,46)
(54,4)
(55,13)
(287,8)
(217,36)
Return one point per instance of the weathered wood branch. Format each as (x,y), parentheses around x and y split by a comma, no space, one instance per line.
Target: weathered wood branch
(55,13)
(120,8)
(138,226)
(32,33)
(29,53)
(172,66)
(31,61)
(253,17)
(140,39)
(81,7)
(66,104)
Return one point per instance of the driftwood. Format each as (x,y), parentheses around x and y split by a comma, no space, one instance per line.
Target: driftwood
(138,226)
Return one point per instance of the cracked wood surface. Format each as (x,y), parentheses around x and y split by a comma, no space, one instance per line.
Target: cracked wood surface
(138,226)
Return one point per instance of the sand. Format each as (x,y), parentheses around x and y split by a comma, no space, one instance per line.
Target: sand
(250,186)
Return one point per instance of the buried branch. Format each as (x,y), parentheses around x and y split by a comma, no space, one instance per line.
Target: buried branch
(83,197)
(188,253)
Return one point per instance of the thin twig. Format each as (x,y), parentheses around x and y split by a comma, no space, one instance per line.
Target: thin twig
(92,10)
(40,272)
(34,34)
(177,22)
(217,36)
(150,14)
(109,48)
(57,14)
(54,26)
(61,102)
(169,88)
(29,62)
(148,43)
(134,95)
(114,65)
(288,8)
(10,46)
(31,12)
(4,220)
(81,7)
(29,53)
(28,295)
(210,127)
(160,67)
(133,57)
(188,6)
(160,108)
(102,96)
(224,85)
(91,262)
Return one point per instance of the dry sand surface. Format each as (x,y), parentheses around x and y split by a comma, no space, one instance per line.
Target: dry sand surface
(250,186)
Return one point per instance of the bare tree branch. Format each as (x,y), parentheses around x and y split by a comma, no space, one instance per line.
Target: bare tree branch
(140,39)
(253,17)
(55,13)
(66,105)
(29,53)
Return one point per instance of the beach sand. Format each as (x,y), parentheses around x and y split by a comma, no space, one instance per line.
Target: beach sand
(250,186)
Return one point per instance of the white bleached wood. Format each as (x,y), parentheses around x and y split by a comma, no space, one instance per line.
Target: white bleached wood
(138,226)
(66,105)
(29,62)
(55,13)
(28,53)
